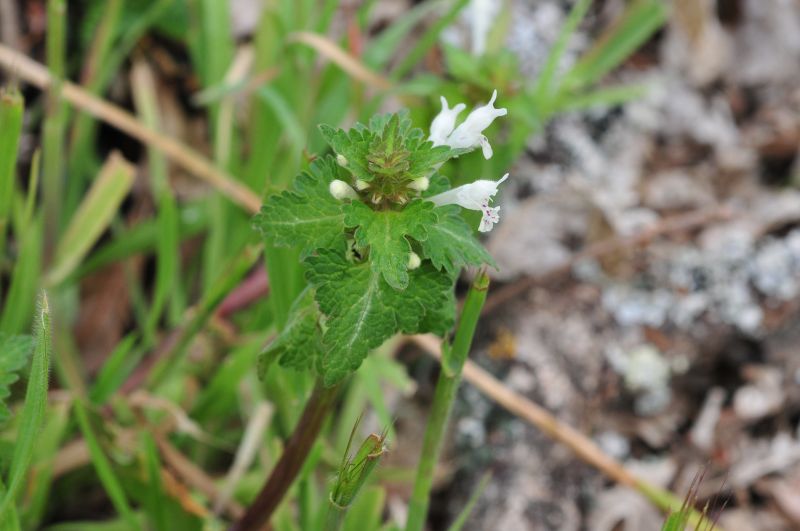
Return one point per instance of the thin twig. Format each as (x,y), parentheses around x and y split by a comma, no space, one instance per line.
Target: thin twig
(194,475)
(346,62)
(291,461)
(181,154)
(540,418)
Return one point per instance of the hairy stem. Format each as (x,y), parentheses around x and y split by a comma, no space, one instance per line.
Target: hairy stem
(449,378)
(288,466)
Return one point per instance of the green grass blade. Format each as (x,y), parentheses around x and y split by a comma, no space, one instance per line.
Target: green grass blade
(53,433)
(103,467)
(33,189)
(54,124)
(93,216)
(33,411)
(115,370)
(366,511)
(676,521)
(326,15)
(381,49)
(12,107)
(607,96)
(81,157)
(20,300)
(640,20)
(428,40)
(19,304)
(167,285)
(218,397)
(228,279)
(544,84)
(110,525)
(11,521)
(155,492)
(473,499)
(83,129)
(289,121)
(140,238)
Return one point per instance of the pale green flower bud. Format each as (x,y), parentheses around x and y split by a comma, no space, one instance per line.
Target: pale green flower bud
(414,261)
(341,190)
(420,184)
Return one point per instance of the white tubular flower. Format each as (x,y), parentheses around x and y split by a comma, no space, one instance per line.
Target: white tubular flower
(482,15)
(445,121)
(414,261)
(341,190)
(361,185)
(474,196)
(420,184)
(470,133)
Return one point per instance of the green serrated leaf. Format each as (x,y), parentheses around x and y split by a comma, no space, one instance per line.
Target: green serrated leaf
(451,243)
(356,302)
(378,122)
(425,158)
(388,149)
(14,352)
(362,310)
(388,155)
(353,145)
(307,216)
(385,233)
(434,290)
(299,343)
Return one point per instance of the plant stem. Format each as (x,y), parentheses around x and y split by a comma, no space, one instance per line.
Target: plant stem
(288,466)
(450,376)
(334,517)
(538,417)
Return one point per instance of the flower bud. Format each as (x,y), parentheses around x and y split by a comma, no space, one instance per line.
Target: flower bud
(341,160)
(361,185)
(420,184)
(414,261)
(341,190)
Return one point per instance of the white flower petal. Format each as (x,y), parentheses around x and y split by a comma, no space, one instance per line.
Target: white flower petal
(486,148)
(470,133)
(474,196)
(491,215)
(449,197)
(445,121)
(482,15)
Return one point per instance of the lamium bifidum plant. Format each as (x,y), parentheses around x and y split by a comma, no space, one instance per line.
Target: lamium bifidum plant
(381,236)
(382,242)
